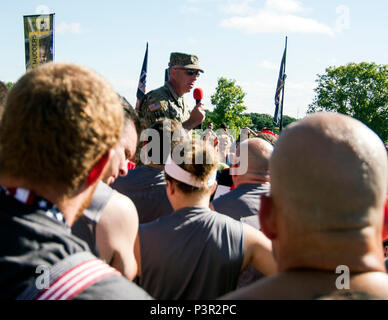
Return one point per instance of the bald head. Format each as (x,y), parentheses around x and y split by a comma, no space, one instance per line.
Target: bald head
(254,155)
(329,171)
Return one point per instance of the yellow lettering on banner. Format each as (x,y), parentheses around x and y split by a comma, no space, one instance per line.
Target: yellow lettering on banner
(34,49)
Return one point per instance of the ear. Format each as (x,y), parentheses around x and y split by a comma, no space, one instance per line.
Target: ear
(170,188)
(267,217)
(98,168)
(172,72)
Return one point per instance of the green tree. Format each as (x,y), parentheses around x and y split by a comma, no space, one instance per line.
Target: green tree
(261,121)
(287,120)
(9,85)
(358,90)
(229,105)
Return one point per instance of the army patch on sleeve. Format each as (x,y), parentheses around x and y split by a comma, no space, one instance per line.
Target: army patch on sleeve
(155,106)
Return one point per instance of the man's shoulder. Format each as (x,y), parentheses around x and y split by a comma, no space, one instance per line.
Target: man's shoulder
(101,196)
(229,196)
(155,104)
(139,180)
(81,276)
(160,94)
(119,210)
(307,286)
(271,287)
(115,287)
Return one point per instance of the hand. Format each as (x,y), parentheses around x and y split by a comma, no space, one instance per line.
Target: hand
(197,116)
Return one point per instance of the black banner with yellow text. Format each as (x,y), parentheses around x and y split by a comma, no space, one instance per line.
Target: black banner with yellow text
(38,39)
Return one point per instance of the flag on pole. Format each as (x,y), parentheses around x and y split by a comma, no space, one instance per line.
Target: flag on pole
(279,95)
(38,39)
(141,89)
(166,74)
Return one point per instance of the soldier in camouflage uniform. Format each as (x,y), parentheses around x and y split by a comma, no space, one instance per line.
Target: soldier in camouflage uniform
(167,101)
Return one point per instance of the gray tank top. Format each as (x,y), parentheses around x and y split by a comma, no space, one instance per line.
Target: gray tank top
(241,202)
(194,253)
(146,187)
(85,226)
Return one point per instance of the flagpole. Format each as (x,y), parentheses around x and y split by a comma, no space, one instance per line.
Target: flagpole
(284,84)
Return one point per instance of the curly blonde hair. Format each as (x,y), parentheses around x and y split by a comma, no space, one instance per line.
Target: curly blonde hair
(59,120)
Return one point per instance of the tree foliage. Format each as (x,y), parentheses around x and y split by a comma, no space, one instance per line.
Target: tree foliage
(358,90)
(229,108)
(261,121)
(287,120)
(9,85)
(229,105)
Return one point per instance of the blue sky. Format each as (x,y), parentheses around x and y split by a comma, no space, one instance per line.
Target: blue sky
(237,39)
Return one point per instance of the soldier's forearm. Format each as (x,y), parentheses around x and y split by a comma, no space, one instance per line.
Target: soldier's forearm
(189,124)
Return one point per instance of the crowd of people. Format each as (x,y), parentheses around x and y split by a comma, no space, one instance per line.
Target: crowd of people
(200,216)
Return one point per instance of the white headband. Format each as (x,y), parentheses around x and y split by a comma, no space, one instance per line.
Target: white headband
(176,172)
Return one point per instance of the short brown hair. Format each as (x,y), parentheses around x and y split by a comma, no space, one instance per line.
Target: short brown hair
(130,114)
(59,120)
(201,171)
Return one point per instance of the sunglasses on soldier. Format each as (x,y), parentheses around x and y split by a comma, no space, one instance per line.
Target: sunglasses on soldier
(190,72)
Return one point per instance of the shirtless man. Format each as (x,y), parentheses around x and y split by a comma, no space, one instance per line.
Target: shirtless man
(328,189)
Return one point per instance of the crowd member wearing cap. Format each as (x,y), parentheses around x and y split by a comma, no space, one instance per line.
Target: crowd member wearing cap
(250,183)
(265,134)
(167,101)
(196,253)
(109,224)
(325,211)
(50,164)
(270,137)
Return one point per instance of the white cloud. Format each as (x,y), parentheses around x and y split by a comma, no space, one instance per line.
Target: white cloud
(192,41)
(277,16)
(300,89)
(189,9)
(289,6)
(72,27)
(239,8)
(265,64)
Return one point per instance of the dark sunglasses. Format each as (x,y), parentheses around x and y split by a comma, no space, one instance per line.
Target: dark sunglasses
(190,72)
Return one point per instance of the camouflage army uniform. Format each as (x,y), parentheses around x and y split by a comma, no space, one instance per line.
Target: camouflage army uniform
(163,103)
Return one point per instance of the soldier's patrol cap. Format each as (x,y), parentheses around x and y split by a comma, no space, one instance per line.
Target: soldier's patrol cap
(187,61)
